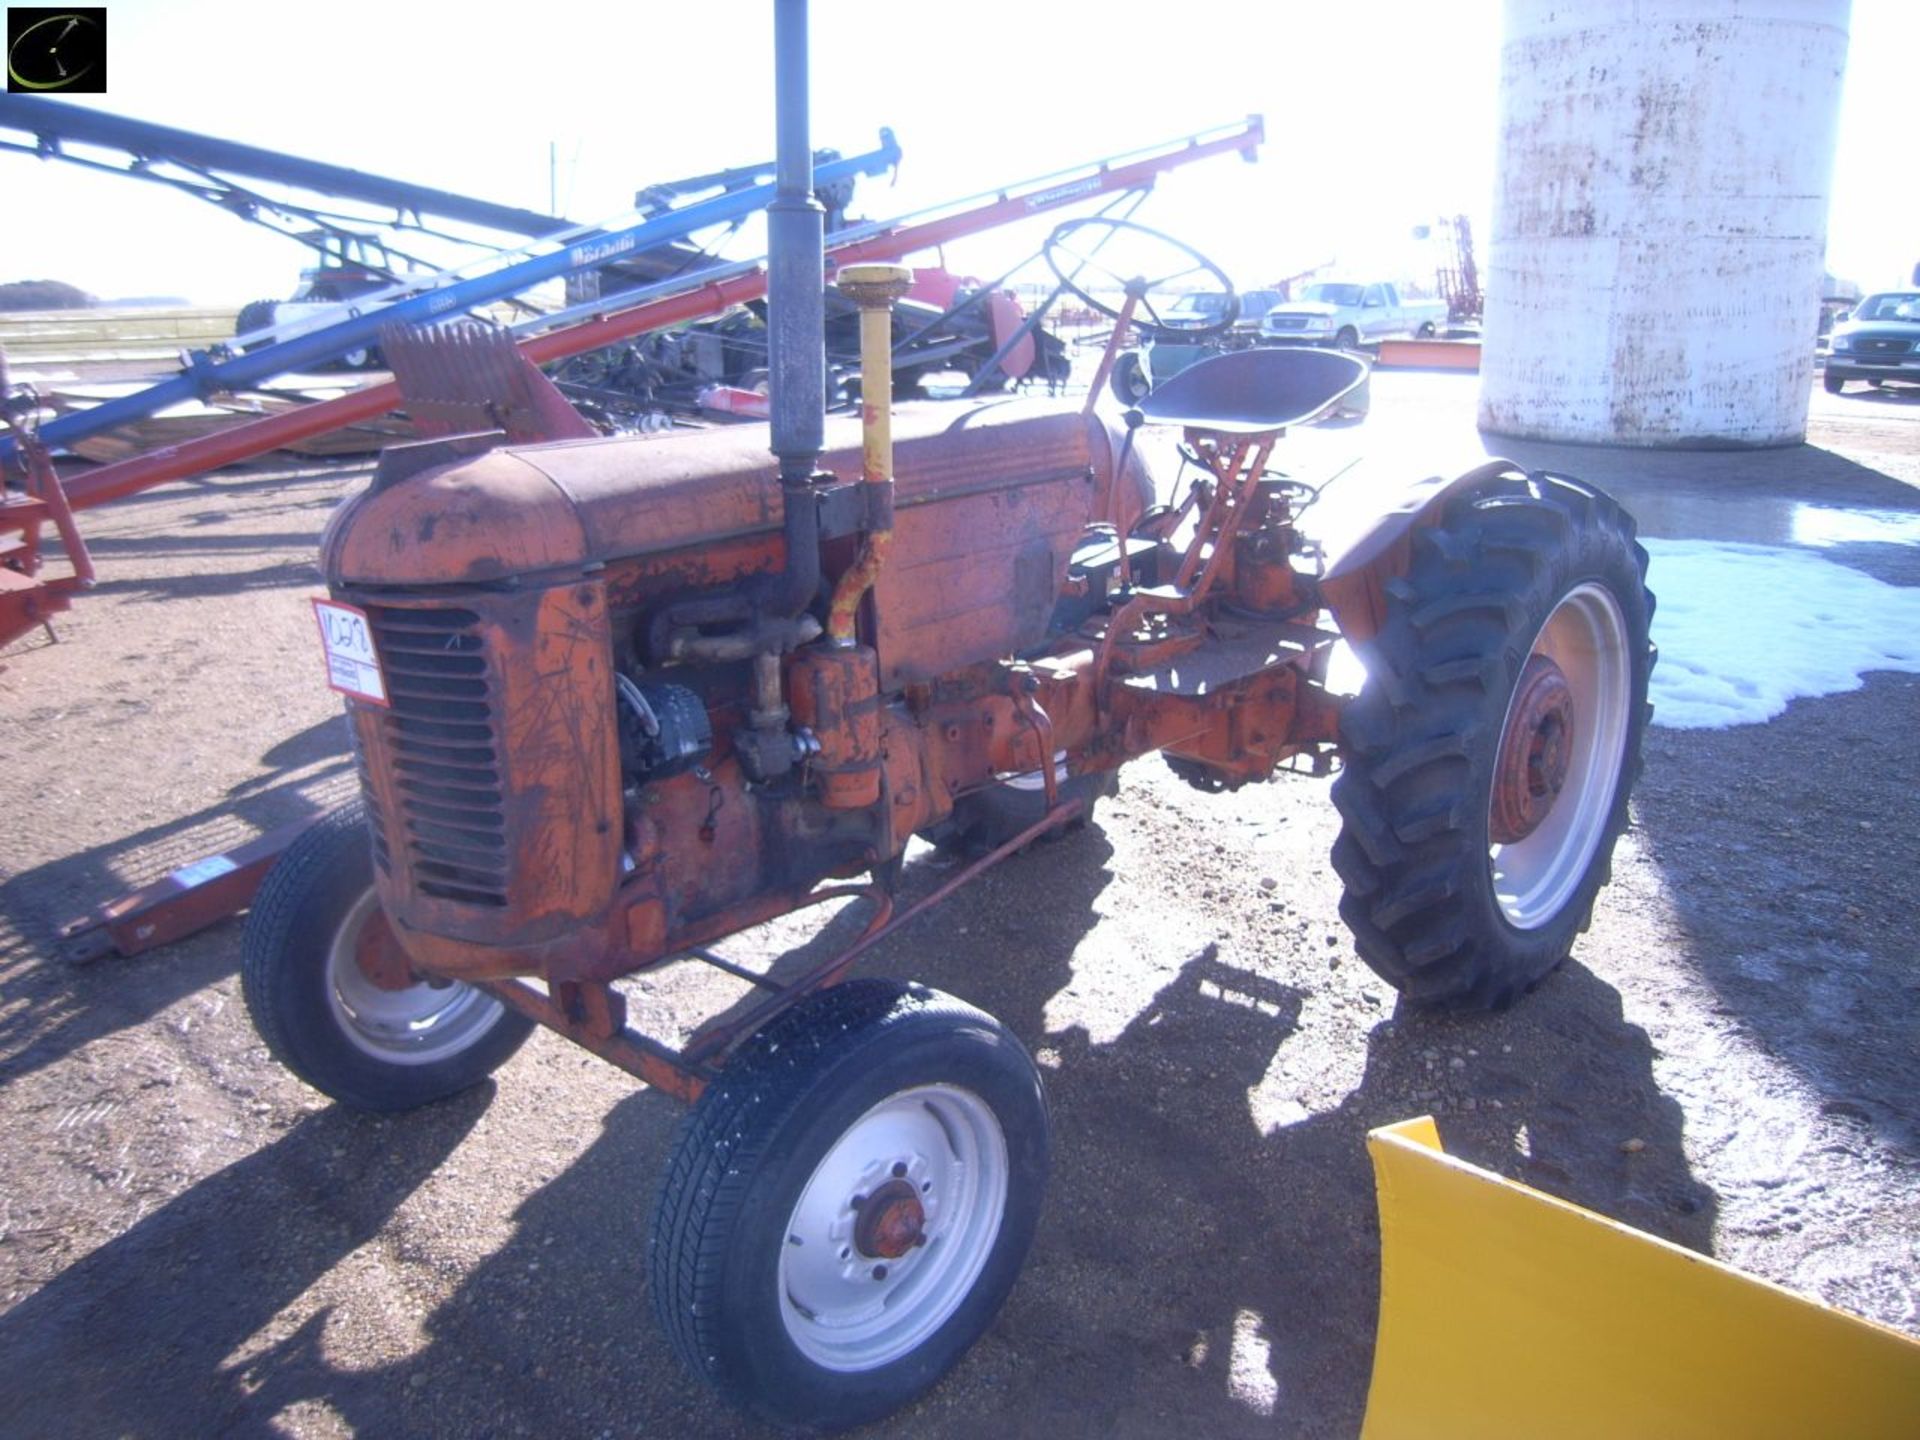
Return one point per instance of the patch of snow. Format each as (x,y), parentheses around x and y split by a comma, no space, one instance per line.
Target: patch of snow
(1744,629)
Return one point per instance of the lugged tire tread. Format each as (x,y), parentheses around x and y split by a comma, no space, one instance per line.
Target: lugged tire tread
(1451,642)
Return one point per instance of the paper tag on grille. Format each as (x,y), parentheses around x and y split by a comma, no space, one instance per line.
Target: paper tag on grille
(353,665)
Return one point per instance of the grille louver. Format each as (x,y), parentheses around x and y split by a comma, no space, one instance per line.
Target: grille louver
(440,740)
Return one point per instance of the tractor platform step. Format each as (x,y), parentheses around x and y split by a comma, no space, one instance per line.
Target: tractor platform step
(1238,650)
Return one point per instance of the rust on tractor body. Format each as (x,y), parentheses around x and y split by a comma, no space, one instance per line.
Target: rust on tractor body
(618,731)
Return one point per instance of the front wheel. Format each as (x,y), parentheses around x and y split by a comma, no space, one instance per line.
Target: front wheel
(1491,751)
(329,992)
(849,1204)
(1833,383)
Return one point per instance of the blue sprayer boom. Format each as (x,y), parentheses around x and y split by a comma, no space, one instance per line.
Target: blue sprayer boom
(205,375)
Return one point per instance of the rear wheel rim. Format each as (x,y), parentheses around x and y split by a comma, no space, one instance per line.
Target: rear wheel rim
(1534,878)
(419,1025)
(847,1310)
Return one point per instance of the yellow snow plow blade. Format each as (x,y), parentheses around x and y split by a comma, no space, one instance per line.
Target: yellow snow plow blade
(1507,1313)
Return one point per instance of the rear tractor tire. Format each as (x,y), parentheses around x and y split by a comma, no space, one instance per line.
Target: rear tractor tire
(849,1204)
(324,1018)
(1490,753)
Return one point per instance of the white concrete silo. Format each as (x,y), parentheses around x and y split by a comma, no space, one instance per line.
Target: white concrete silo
(1660,219)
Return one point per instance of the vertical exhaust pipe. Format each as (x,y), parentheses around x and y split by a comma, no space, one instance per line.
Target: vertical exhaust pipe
(796,280)
(797,381)
(795,317)
(796,312)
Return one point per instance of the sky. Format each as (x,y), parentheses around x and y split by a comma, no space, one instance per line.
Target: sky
(1380,116)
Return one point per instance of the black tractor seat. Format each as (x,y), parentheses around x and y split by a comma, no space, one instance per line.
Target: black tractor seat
(1252,392)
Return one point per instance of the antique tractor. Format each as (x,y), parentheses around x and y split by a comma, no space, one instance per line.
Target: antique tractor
(616,699)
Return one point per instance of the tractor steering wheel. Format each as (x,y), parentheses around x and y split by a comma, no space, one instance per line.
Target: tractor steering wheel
(1140,261)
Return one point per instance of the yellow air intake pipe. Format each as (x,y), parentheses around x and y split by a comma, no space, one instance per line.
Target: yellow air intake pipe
(874,288)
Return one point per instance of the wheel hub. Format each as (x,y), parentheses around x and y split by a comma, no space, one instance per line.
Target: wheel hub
(1536,752)
(890,1222)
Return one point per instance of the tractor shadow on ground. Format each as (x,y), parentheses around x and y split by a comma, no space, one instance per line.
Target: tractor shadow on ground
(1794,885)
(1076,867)
(1197,1275)
(1193,1274)
(68,1005)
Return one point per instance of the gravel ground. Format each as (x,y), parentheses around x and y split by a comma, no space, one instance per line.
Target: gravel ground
(193,1244)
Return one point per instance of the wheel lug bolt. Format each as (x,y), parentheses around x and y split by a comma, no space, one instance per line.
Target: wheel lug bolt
(899,1169)
(879,1272)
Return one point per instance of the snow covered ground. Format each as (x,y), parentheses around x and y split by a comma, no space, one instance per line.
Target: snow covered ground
(1743,629)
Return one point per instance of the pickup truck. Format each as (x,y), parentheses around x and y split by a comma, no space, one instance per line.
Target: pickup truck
(1170,353)
(1204,305)
(1349,314)
(1878,342)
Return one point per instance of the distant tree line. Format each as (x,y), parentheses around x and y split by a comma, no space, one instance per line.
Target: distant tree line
(43,295)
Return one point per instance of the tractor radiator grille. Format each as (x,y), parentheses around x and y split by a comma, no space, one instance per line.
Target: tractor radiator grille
(376,820)
(440,741)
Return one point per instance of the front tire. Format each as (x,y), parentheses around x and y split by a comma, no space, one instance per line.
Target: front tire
(1348,338)
(1492,749)
(1833,383)
(320,1014)
(849,1204)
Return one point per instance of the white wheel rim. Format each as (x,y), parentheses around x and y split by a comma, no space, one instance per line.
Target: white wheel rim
(848,1311)
(1586,636)
(415,1026)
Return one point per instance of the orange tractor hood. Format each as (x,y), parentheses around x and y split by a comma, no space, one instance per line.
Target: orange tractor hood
(563,506)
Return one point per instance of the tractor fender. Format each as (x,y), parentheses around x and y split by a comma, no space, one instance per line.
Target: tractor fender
(1361,557)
